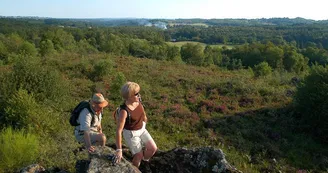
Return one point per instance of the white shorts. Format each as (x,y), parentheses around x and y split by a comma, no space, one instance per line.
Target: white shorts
(80,136)
(136,139)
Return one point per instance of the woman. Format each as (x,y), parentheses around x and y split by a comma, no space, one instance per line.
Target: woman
(133,126)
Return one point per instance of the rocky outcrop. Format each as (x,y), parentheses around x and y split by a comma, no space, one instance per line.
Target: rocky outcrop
(206,159)
(100,161)
(178,160)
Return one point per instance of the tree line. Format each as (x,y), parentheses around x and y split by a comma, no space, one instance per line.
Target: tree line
(149,42)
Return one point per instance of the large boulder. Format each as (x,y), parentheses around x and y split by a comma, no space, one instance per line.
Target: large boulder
(205,159)
(100,162)
(178,160)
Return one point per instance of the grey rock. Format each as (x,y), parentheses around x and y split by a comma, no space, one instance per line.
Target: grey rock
(205,159)
(100,162)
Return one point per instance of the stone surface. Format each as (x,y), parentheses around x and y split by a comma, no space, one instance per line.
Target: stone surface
(205,159)
(100,162)
(178,160)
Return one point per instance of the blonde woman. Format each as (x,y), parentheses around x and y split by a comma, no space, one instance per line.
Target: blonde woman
(131,122)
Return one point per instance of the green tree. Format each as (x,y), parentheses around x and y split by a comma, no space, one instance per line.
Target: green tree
(47,47)
(212,55)
(61,39)
(316,55)
(139,48)
(3,52)
(113,44)
(83,47)
(29,74)
(274,56)
(13,43)
(208,56)
(173,54)
(311,101)
(294,62)
(253,57)
(28,48)
(235,64)
(217,56)
(192,54)
(225,61)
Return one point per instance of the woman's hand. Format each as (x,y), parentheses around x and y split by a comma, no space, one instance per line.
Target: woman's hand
(119,155)
(91,149)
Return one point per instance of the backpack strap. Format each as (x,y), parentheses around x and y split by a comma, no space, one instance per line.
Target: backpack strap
(128,118)
(92,114)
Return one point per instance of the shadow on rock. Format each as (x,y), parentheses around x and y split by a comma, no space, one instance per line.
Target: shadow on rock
(205,159)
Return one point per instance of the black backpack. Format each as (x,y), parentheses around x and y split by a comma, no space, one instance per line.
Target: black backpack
(76,112)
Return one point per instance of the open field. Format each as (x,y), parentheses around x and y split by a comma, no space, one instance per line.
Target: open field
(192,24)
(181,43)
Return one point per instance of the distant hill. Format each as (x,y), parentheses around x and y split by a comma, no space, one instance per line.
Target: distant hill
(245,22)
(162,23)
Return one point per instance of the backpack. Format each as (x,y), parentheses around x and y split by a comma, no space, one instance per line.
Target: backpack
(76,112)
(117,112)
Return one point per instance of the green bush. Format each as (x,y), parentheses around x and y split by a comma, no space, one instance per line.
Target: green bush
(192,54)
(28,48)
(47,47)
(29,74)
(102,68)
(18,149)
(3,51)
(57,149)
(262,69)
(21,110)
(312,102)
(115,88)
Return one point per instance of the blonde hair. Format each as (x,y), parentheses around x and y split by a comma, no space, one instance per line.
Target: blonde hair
(129,89)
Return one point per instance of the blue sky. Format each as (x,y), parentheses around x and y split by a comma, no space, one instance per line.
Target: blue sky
(171,9)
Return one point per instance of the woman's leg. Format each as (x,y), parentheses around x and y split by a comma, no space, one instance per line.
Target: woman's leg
(137,159)
(134,144)
(150,150)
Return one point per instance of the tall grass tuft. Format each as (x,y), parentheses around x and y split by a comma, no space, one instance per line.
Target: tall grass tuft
(18,149)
